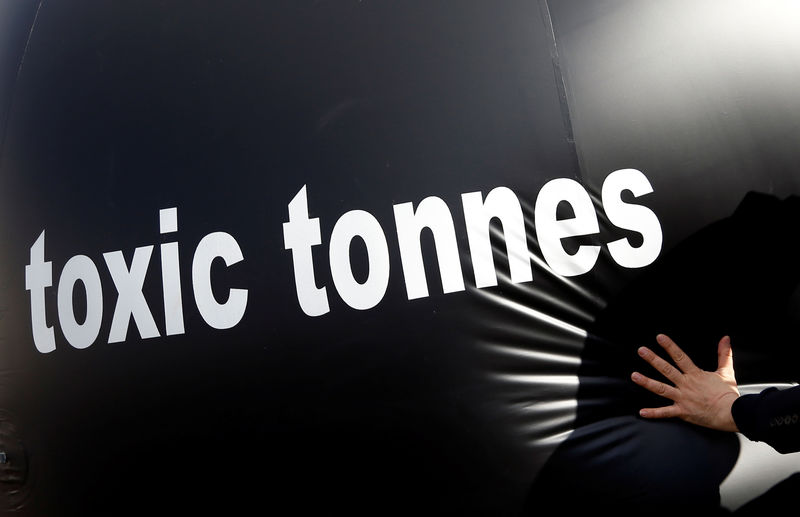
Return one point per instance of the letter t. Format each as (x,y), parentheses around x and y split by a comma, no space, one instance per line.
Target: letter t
(299,234)
(38,276)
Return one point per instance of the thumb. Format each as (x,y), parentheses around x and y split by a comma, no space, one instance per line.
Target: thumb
(725,355)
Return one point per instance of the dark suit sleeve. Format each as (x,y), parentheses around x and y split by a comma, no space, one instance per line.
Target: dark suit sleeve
(772,416)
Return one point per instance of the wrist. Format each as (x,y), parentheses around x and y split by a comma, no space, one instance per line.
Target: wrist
(727,422)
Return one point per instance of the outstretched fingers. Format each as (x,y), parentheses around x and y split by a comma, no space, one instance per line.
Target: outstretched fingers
(679,356)
(659,388)
(661,412)
(666,369)
(725,355)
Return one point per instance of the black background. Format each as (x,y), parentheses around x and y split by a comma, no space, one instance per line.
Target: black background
(112,111)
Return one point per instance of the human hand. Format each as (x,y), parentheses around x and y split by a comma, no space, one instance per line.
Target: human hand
(700,397)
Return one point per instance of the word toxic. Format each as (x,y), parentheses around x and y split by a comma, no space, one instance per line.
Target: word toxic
(128,281)
(301,234)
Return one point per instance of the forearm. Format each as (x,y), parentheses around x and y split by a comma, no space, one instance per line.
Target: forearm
(772,416)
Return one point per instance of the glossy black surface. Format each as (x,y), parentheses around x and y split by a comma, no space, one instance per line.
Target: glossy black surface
(453,403)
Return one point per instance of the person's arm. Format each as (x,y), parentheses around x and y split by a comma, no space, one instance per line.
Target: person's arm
(711,399)
(700,397)
(772,416)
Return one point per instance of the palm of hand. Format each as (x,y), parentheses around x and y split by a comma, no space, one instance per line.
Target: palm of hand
(700,397)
